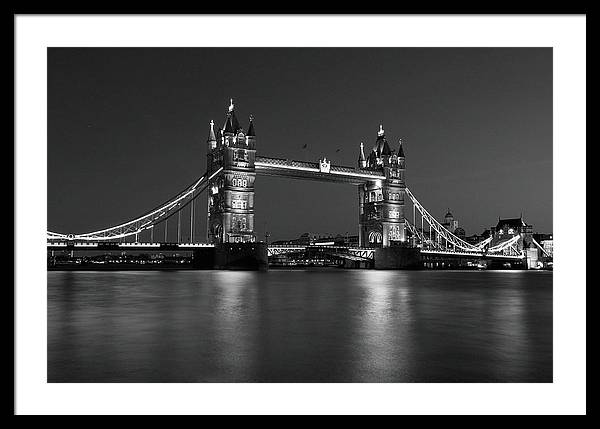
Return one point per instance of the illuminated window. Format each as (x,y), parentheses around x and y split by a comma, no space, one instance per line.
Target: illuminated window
(241,223)
(395,232)
(240,155)
(241,183)
(511,231)
(375,237)
(239,204)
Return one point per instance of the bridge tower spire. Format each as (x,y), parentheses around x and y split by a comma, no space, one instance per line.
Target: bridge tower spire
(362,161)
(400,149)
(231,192)
(212,139)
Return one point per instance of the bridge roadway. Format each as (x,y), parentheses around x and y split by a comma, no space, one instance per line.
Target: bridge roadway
(346,252)
(351,253)
(107,245)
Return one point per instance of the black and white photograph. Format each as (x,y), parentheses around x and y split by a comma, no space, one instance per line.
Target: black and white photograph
(222,216)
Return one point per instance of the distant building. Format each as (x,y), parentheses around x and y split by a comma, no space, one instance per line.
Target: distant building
(315,239)
(546,241)
(548,246)
(449,222)
(507,228)
(541,237)
(478,238)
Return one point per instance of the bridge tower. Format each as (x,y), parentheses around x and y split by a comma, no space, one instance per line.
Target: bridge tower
(381,203)
(231,192)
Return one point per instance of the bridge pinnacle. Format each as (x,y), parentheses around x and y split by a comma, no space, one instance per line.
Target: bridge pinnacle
(362,151)
(380,132)
(211,133)
(362,161)
(251,132)
(231,104)
(400,149)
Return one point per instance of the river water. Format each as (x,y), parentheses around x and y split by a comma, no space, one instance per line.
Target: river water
(324,325)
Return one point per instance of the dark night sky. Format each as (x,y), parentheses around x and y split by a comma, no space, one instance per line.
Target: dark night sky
(127,129)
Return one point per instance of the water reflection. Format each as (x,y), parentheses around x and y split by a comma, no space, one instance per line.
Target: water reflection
(233,325)
(385,327)
(299,326)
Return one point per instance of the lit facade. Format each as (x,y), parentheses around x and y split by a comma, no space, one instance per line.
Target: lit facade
(548,246)
(381,202)
(231,192)
(507,229)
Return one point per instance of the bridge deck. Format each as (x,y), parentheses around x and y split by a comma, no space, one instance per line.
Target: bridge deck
(105,246)
(351,253)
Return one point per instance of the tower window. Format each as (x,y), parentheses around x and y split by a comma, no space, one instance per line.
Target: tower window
(239,204)
(242,183)
(240,155)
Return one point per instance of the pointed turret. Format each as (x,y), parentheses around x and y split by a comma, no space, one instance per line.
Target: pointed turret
(211,133)
(228,128)
(212,140)
(234,122)
(400,150)
(385,151)
(362,161)
(251,132)
(232,126)
(251,135)
(372,159)
(381,145)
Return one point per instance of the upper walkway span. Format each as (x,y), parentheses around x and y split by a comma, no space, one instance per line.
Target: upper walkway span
(322,171)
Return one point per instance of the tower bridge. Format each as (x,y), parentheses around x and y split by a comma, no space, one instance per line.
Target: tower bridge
(387,237)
